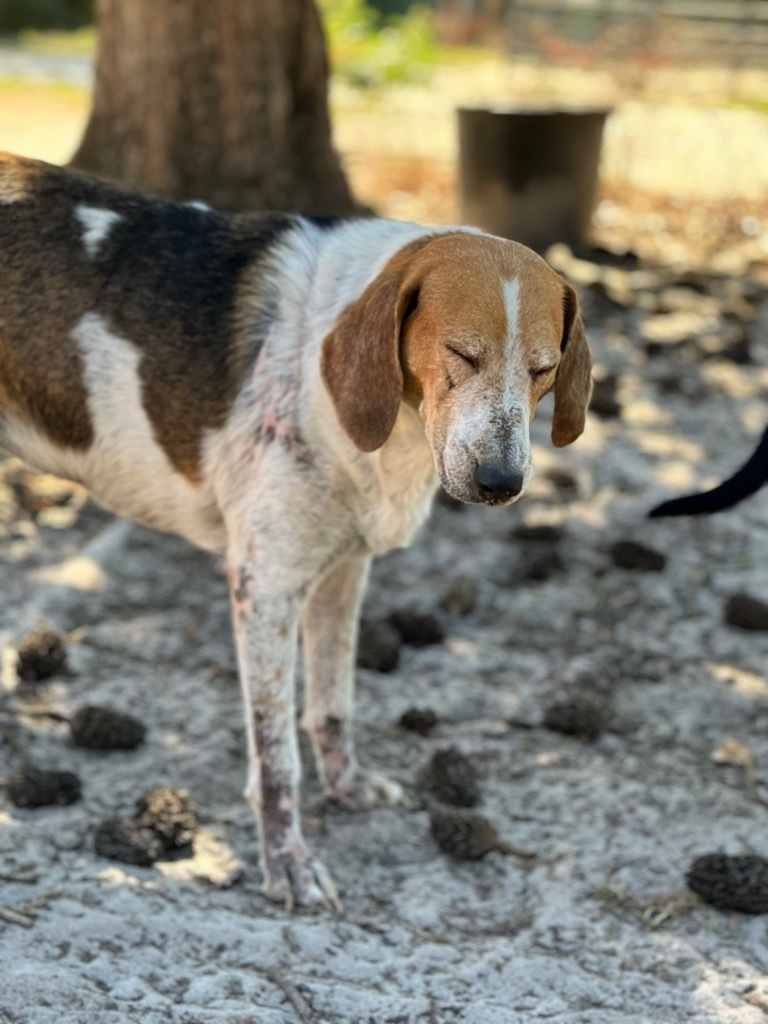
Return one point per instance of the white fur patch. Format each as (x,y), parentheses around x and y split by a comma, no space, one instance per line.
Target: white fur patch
(198,204)
(97,223)
(512,305)
(127,469)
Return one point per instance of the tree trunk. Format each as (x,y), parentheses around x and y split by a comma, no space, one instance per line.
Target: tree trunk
(225,101)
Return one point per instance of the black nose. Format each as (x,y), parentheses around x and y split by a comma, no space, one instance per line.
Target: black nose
(497,484)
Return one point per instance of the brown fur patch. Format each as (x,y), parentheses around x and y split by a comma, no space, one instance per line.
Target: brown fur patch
(360,359)
(573,385)
(17,177)
(167,278)
(41,300)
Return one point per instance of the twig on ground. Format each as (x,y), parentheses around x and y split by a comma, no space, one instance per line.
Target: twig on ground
(292,994)
(16,917)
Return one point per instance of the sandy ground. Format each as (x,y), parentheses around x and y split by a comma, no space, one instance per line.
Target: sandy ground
(599,928)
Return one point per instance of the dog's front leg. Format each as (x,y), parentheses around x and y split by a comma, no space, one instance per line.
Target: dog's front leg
(330,626)
(266,616)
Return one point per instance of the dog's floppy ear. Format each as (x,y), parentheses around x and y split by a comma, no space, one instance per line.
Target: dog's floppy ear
(573,384)
(360,359)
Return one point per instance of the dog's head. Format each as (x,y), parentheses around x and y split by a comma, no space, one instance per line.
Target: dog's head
(472,331)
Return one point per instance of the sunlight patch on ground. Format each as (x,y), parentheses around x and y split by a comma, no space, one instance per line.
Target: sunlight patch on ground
(749,684)
(42,121)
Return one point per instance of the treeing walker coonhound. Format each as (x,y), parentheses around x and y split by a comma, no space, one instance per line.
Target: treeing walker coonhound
(286,392)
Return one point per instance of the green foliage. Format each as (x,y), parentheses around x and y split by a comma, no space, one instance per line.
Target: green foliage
(368,50)
(16,15)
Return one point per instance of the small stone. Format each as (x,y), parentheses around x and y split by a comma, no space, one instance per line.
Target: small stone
(99,728)
(170,814)
(378,646)
(34,787)
(417,629)
(128,842)
(731,882)
(463,834)
(628,554)
(578,715)
(420,720)
(461,596)
(746,612)
(41,654)
(452,779)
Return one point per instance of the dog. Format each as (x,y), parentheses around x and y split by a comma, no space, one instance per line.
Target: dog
(745,481)
(286,392)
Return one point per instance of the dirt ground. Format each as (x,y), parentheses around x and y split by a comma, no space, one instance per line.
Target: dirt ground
(600,927)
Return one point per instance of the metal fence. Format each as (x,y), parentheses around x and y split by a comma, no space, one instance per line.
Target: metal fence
(658,32)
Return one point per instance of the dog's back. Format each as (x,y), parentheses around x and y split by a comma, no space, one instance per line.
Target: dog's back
(127,328)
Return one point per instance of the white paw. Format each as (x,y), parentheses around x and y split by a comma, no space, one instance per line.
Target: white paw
(302,881)
(367,789)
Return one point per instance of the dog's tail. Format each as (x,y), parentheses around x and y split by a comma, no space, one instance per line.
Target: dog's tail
(750,478)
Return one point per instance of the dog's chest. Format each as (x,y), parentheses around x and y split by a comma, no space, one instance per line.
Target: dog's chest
(405,486)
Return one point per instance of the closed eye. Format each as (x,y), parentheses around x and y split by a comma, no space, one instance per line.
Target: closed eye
(542,371)
(469,360)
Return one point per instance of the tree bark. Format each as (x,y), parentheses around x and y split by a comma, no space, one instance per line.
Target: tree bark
(225,101)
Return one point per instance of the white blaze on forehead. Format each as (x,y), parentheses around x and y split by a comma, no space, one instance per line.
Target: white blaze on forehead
(512,306)
(198,204)
(513,350)
(97,222)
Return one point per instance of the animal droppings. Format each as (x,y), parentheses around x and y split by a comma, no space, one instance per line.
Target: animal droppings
(539,533)
(34,787)
(378,646)
(163,826)
(469,836)
(604,402)
(628,554)
(731,883)
(417,629)
(746,612)
(460,598)
(170,814)
(578,715)
(420,720)
(452,779)
(100,728)
(129,842)
(40,655)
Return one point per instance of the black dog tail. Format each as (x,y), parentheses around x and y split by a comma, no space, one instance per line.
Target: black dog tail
(750,478)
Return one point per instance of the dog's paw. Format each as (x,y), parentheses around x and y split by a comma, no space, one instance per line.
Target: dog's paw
(302,881)
(367,789)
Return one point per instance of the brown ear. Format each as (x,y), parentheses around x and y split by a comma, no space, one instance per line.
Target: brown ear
(360,358)
(573,384)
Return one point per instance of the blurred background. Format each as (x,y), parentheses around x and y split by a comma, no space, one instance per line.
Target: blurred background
(684,161)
